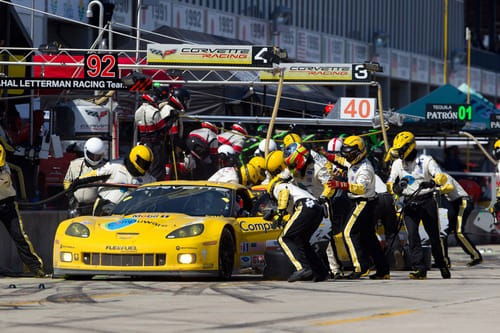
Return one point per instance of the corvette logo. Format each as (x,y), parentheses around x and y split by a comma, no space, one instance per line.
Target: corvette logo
(163,54)
(98,114)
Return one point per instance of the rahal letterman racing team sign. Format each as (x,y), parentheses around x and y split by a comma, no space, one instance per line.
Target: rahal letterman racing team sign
(228,55)
(320,72)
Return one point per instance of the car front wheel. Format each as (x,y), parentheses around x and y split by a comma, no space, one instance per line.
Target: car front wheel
(226,255)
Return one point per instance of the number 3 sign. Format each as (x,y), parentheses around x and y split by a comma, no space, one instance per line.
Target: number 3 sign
(103,66)
(357,108)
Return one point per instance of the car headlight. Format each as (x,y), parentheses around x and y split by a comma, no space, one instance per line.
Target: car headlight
(76,229)
(187,231)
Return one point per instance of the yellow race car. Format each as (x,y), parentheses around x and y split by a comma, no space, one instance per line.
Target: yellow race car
(172,228)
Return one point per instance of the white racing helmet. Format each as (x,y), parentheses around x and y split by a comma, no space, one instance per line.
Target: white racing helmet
(93,151)
(226,150)
(272,145)
(334,145)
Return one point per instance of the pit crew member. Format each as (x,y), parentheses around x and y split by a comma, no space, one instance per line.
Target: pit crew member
(11,219)
(359,231)
(305,219)
(413,177)
(82,200)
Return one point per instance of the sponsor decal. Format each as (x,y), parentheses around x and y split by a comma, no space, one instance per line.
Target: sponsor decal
(259,226)
(320,72)
(151,216)
(448,112)
(97,114)
(245,261)
(121,248)
(258,260)
(272,244)
(120,224)
(244,247)
(153,223)
(163,54)
(257,247)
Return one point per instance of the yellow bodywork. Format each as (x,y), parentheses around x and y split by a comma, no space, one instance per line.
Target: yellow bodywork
(137,244)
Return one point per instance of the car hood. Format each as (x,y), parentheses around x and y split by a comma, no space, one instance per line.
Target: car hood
(144,223)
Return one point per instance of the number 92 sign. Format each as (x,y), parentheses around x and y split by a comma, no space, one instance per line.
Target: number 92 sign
(103,66)
(357,108)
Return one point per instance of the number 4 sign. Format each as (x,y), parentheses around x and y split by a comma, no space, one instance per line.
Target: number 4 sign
(357,108)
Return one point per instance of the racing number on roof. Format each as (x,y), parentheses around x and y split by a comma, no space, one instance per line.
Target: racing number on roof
(101,65)
(360,73)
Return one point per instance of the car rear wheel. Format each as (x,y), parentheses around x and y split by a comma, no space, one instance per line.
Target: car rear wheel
(226,255)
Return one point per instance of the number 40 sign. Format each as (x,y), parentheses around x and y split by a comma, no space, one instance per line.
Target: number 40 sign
(357,108)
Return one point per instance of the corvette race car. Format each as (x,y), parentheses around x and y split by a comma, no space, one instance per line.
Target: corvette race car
(179,228)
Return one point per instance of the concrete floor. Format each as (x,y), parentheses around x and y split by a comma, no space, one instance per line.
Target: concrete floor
(470,301)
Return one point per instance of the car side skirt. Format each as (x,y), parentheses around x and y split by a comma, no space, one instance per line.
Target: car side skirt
(61,272)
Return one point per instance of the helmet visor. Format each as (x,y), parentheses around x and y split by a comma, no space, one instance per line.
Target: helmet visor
(142,163)
(350,153)
(94,157)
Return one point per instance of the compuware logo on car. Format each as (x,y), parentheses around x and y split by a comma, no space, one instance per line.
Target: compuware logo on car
(120,224)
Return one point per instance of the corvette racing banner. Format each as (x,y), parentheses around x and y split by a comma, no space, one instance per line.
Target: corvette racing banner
(221,55)
(320,72)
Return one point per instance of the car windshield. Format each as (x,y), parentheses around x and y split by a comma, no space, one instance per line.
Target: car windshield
(190,200)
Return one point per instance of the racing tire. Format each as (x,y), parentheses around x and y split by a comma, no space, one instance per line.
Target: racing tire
(226,255)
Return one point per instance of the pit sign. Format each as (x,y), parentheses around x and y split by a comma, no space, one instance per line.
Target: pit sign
(216,55)
(354,108)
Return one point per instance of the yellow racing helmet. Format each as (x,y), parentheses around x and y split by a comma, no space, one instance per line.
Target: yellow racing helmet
(259,163)
(496,149)
(2,156)
(141,158)
(291,138)
(403,145)
(353,149)
(249,175)
(275,162)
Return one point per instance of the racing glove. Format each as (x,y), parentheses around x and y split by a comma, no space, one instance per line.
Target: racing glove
(446,188)
(353,188)
(278,219)
(338,184)
(440,179)
(399,186)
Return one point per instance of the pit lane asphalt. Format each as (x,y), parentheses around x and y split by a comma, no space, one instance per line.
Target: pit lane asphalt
(467,302)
